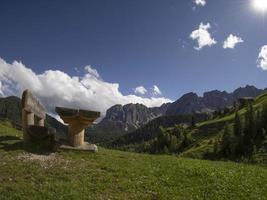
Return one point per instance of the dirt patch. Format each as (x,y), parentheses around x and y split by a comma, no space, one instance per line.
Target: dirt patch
(46,161)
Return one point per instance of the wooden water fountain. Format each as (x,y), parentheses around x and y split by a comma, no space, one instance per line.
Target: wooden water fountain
(77,120)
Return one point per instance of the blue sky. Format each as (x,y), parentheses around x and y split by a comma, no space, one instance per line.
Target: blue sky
(138,42)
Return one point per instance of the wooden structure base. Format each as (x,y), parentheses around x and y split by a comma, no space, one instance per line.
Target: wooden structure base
(85,147)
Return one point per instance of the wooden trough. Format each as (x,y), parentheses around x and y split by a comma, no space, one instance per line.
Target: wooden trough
(78,120)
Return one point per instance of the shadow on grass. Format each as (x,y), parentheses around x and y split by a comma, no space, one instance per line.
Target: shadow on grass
(13,143)
(8,138)
(10,143)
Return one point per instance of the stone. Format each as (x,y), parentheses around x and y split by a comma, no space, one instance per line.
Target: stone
(78,120)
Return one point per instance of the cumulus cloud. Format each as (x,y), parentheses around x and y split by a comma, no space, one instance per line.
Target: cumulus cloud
(140,90)
(200,2)
(156,90)
(262,58)
(92,71)
(202,36)
(56,88)
(232,41)
(1,92)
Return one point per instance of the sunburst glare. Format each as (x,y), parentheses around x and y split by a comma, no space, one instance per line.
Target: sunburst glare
(260,5)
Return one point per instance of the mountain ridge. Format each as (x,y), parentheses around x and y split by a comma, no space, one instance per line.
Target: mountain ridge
(122,119)
(211,100)
(117,122)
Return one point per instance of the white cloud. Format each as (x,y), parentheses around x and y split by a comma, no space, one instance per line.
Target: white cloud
(140,90)
(92,71)
(262,58)
(200,2)
(76,69)
(202,36)
(156,90)
(56,88)
(232,41)
(1,92)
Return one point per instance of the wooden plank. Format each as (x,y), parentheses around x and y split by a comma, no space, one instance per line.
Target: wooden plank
(69,112)
(31,104)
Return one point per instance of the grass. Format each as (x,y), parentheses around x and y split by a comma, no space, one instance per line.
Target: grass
(111,174)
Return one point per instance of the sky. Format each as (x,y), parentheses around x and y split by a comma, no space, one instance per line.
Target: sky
(96,53)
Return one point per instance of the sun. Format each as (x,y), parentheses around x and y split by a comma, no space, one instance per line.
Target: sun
(260,5)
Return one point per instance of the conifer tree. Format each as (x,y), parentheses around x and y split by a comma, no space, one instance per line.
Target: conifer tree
(216,147)
(237,125)
(264,119)
(238,135)
(193,123)
(249,131)
(227,142)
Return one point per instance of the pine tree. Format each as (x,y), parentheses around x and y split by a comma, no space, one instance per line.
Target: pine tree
(238,135)
(249,131)
(237,125)
(193,123)
(173,144)
(264,116)
(259,129)
(227,142)
(216,147)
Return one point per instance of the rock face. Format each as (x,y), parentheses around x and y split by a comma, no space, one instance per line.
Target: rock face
(123,119)
(188,103)
(213,100)
(133,115)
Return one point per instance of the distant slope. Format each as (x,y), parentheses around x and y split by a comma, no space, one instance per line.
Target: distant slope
(206,132)
(111,174)
(152,129)
(203,135)
(10,108)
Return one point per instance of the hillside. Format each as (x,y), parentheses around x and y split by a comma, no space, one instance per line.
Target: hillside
(153,128)
(111,174)
(202,136)
(206,132)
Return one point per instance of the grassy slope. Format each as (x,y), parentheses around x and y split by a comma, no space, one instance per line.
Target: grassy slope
(112,174)
(206,132)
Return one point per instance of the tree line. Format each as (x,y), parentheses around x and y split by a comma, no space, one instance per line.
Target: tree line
(245,137)
(169,141)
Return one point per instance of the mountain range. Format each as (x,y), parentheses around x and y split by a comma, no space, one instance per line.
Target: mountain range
(124,119)
(121,120)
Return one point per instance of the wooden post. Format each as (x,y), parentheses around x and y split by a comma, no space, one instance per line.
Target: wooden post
(31,107)
(77,120)
(27,120)
(76,135)
(41,122)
